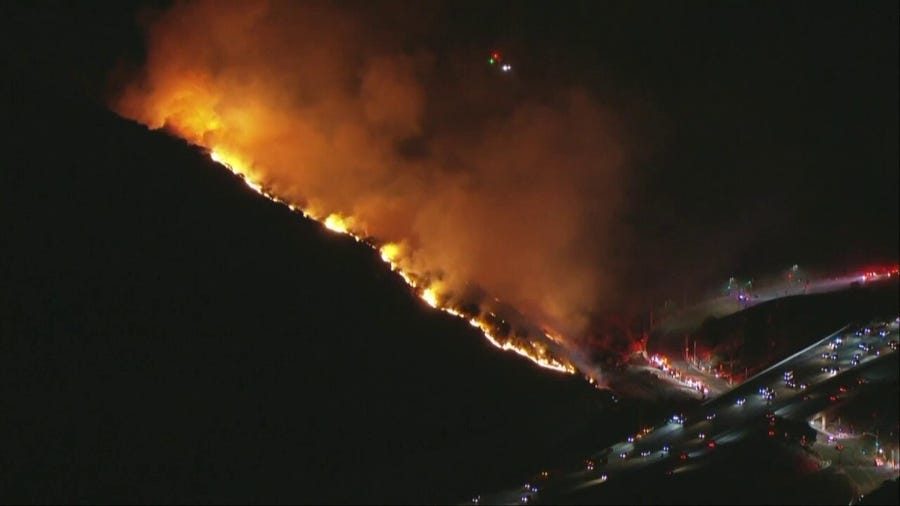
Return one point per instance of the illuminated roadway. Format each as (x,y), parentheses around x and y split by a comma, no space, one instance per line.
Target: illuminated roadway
(729,419)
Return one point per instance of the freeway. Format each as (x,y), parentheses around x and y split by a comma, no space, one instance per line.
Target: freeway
(831,371)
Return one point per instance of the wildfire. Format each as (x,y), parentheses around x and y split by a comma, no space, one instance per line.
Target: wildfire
(391,254)
(336,223)
(430,297)
(539,358)
(241,169)
(292,99)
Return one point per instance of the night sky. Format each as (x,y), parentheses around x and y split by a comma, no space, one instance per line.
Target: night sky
(141,363)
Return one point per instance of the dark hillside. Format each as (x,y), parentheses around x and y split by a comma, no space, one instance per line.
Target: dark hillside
(168,335)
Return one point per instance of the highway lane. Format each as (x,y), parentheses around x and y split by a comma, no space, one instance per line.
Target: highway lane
(731,416)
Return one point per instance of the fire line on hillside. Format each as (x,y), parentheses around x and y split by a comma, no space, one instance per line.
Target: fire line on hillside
(390,252)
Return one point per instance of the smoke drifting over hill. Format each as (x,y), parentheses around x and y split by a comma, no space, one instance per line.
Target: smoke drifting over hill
(483,185)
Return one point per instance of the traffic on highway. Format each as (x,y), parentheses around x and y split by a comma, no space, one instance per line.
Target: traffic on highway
(798,388)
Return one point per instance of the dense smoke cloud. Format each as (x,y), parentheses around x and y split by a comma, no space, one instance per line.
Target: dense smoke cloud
(486,182)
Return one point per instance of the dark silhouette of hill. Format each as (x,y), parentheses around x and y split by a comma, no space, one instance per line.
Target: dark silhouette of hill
(170,336)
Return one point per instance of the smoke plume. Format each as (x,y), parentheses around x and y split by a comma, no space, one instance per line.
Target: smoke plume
(484,181)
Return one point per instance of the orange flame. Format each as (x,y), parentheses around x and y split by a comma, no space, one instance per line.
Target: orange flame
(271,103)
(391,255)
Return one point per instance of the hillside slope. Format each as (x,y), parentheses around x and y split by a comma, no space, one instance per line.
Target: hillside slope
(168,335)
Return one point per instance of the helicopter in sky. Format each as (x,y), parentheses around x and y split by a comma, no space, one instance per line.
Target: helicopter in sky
(497,60)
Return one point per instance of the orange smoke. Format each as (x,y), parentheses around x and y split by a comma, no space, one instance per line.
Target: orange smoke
(468,184)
